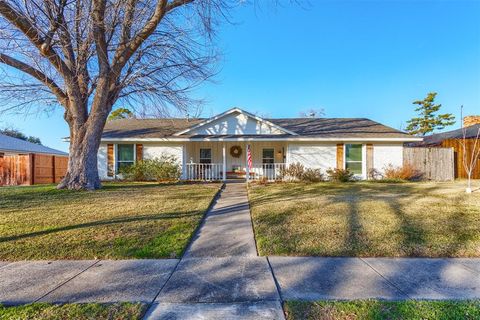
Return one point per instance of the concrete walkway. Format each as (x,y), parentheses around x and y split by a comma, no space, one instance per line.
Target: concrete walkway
(221,277)
(227,230)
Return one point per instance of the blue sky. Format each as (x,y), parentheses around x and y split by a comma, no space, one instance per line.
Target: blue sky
(351,58)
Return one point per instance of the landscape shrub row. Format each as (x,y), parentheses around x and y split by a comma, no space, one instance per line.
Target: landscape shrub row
(297,172)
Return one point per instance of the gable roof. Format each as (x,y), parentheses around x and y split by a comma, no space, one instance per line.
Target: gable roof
(228,112)
(437,138)
(14,145)
(315,128)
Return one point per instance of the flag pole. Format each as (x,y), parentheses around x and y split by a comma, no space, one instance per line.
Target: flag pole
(247,167)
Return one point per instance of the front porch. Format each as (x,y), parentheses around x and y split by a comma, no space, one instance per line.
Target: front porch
(210,161)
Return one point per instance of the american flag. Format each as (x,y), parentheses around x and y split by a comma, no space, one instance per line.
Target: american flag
(249,157)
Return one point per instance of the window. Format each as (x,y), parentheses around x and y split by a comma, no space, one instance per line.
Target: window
(205,155)
(353,158)
(268,156)
(125,156)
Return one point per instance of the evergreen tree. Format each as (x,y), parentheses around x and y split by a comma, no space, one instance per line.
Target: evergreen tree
(428,119)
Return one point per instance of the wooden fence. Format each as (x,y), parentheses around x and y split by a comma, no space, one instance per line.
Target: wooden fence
(456,144)
(32,169)
(436,164)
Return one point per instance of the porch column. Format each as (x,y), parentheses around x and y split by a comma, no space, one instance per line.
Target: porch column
(184,162)
(224,162)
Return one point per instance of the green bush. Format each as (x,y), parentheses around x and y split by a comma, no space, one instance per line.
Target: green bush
(340,175)
(165,168)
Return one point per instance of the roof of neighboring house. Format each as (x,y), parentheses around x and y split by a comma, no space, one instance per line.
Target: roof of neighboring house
(14,145)
(304,127)
(435,139)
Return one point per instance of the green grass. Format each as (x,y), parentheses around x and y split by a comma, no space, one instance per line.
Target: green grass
(366,219)
(378,310)
(120,221)
(44,311)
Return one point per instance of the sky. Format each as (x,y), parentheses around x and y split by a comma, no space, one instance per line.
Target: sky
(359,58)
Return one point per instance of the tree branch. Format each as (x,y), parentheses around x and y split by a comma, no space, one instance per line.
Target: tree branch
(125,50)
(23,24)
(37,74)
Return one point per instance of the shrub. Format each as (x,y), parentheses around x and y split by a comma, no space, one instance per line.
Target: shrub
(293,172)
(312,175)
(165,168)
(297,172)
(405,172)
(340,175)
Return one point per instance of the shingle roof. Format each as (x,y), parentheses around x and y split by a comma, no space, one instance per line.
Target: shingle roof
(146,128)
(15,145)
(339,127)
(304,127)
(436,139)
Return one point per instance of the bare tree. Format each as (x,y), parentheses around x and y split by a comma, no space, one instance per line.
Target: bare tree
(86,55)
(471,152)
(312,113)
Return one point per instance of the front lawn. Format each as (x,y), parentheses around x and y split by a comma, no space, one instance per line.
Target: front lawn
(120,221)
(378,310)
(44,311)
(366,219)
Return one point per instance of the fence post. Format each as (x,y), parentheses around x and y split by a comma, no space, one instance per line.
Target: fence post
(53,169)
(31,161)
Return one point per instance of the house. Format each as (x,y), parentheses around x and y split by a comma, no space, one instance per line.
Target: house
(454,139)
(216,148)
(14,146)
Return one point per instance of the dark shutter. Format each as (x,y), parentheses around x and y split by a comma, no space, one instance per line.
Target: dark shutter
(139,152)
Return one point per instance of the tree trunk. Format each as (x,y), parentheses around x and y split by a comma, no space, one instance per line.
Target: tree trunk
(82,172)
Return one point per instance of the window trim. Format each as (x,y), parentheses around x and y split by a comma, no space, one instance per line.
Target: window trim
(115,155)
(362,162)
(200,156)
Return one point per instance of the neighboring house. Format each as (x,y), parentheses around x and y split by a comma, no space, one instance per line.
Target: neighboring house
(454,139)
(14,146)
(26,163)
(216,148)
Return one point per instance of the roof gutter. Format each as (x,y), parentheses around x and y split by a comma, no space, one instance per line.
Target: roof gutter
(299,139)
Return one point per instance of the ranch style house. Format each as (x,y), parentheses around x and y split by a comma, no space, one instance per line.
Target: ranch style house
(219,148)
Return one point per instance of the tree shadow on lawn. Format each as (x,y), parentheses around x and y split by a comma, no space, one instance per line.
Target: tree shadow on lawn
(138,218)
(414,234)
(32,196)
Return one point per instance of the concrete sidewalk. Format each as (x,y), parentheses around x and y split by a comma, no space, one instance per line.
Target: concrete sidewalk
(316,278)
(239,279)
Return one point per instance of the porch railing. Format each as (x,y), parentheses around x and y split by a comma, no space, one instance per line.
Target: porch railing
(214,171)
(204,171)
(268,171)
